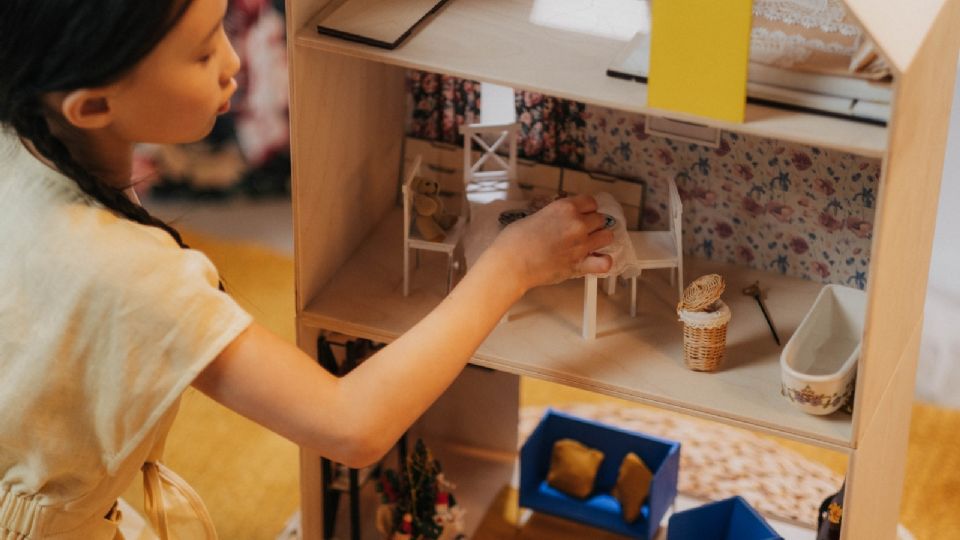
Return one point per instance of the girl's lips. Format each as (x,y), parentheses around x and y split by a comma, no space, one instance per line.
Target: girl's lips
(224,108)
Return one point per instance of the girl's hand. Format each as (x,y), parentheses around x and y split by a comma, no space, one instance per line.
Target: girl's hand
(556,243)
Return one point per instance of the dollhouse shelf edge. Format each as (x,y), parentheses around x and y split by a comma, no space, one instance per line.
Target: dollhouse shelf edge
(523,55)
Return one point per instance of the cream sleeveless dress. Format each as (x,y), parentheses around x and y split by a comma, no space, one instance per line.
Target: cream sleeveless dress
(103,324)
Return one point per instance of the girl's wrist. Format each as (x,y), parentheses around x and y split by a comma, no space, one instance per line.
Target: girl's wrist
(507,269)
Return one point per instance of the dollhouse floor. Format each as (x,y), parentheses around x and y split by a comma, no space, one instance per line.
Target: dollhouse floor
(638,358)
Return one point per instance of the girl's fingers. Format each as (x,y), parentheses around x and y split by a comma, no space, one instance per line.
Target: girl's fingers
(594,221)
(583,203)
(599,239)
(595,264)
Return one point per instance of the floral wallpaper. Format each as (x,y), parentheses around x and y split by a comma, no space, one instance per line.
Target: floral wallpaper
(791,208)
(551,129)
(440,104)
(795,209)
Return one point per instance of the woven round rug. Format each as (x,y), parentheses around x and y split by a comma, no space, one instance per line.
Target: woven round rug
(719,461)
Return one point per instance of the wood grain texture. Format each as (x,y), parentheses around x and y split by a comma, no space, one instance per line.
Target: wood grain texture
(385,22)
(347,133)
(898,29)
(906,212)
(876,475)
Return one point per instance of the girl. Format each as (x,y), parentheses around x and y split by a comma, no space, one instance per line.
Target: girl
(106,317)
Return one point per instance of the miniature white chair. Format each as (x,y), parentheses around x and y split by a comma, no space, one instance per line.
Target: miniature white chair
(658,249)
(412,240)
(483,171)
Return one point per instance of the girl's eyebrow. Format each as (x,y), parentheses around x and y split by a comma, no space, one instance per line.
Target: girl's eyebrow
(216,27)
(213,31)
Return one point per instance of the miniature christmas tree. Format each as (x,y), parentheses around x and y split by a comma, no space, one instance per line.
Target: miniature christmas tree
(418,501)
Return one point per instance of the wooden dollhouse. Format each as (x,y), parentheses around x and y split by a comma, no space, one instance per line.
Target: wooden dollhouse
(347,120)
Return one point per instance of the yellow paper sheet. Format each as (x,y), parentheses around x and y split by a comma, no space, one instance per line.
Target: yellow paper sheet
(698,57)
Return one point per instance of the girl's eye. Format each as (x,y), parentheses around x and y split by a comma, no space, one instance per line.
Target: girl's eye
(205,58)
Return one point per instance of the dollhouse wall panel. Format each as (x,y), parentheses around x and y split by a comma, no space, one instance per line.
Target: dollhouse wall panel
(340,195)
(875,477)
(907,211)
(479,410)
(441,162)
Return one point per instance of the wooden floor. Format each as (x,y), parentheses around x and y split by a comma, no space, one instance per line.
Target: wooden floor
(248,476)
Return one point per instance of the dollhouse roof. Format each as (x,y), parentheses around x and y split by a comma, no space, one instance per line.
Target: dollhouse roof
(898,27)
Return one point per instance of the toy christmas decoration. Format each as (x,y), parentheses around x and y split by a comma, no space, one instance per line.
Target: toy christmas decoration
(417,503)
(430,218)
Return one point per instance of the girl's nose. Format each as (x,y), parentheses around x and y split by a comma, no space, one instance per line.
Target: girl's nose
(230,68)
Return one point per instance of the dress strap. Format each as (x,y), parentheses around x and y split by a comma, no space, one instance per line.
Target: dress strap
(173,508)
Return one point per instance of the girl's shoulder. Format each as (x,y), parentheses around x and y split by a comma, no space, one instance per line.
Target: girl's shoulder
(26,181)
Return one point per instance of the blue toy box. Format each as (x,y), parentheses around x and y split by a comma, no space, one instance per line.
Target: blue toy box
(729,519)
(599,509)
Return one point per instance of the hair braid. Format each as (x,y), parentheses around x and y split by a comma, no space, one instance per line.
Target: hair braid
(34,127)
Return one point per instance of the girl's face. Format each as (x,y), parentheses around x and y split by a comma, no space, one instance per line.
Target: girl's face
(176,92)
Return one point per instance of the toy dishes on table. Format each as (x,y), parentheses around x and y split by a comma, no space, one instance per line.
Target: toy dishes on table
(509,216)
(817,365)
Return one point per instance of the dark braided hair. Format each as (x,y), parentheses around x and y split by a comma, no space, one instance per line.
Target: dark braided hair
(62,45)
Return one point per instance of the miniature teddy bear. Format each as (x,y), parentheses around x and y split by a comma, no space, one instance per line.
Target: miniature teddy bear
(430,218)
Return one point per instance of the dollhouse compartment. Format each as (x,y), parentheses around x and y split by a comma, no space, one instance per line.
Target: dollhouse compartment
(355,287)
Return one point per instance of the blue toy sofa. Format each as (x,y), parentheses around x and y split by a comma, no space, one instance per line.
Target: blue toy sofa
(729,519)
(599,509)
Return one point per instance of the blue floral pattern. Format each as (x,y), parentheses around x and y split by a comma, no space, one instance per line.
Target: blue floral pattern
(799,210)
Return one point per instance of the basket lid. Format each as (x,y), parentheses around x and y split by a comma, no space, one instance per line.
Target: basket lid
(702,293)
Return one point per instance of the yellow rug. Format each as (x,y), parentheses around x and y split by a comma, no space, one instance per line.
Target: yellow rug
(248,476)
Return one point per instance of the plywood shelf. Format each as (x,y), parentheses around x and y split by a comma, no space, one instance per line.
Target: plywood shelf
(638,358)
(509,42)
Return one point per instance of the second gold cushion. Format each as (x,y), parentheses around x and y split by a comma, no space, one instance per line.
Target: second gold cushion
(633,484)
(573,467)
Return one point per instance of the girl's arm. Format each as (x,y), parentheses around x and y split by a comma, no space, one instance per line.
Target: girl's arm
(357,418)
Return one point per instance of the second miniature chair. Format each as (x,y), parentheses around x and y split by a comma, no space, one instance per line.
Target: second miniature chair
(412,240)
(489,167)
(658,249)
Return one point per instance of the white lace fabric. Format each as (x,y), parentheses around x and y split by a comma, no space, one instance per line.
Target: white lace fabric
(812,35)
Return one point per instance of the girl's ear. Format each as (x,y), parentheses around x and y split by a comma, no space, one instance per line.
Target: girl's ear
(87,108)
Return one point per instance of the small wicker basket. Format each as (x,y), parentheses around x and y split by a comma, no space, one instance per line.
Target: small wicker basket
(705,318)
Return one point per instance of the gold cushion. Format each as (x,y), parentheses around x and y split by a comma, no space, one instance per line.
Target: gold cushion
(633,485)
(573,467)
